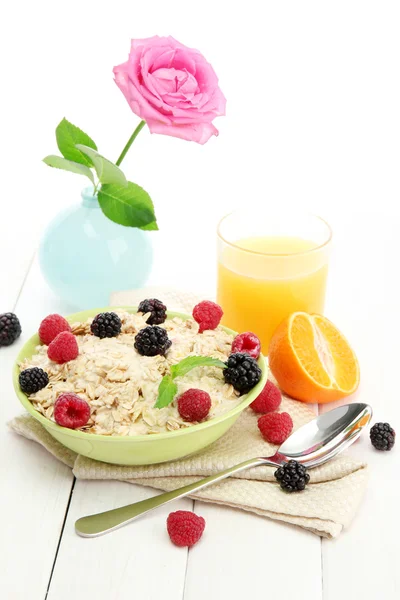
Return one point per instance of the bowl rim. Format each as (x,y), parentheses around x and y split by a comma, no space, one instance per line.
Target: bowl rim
(146,438)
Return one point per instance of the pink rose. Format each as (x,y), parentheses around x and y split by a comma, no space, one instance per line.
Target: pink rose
(172,87)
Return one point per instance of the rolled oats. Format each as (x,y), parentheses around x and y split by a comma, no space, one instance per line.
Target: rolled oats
(121,386)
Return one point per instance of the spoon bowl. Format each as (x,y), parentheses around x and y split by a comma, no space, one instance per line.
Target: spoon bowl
(324,437)
(311,445)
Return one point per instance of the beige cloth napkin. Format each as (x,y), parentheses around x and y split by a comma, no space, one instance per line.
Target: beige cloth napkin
(327,505)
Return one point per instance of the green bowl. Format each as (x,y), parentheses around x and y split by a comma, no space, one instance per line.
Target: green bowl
(138,449)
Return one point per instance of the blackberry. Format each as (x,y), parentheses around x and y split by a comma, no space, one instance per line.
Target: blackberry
(33,380)
(10,329)
(156,308)
(292,476)
(242,371)
(382,436)
(106,325)
(152,340)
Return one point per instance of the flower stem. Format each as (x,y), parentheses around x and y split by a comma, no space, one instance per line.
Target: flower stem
(96,188)
(130,142)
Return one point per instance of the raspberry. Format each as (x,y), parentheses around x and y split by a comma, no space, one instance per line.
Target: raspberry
(242,372)
(51,326)
(63,348)
(156,308)
(71,411)
(106,325)
(269,399)
(194,405)
(207,314)
(10,329)
(33,380)
(152,340)
(247,342)
(185,528)
(275,427)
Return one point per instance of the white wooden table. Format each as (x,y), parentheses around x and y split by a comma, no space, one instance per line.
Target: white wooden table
(240,555)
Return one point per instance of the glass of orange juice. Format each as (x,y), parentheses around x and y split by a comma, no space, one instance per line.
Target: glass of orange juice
(269,266)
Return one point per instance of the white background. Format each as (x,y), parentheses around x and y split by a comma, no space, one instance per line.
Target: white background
(313,115)
(313,122)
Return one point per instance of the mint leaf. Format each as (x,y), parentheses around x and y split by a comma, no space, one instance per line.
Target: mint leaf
(68,136)
(68,165)
(168,389)
(191,362)
(106,171)
(166,392)
(130,206)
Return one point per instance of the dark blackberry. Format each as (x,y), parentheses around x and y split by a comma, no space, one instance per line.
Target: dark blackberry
(10,329)
(292,476)
(242,371)
(382,436)
(152,340)
(106,325)
(33,380)
(156,308)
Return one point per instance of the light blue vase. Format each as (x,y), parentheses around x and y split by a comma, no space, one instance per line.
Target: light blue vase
(85,257)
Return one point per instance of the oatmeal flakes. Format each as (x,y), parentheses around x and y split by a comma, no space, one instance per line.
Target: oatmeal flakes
(121,386)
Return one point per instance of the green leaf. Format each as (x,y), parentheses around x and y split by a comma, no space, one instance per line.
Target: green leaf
(130,206)
(68,136)
(191,362)
(166,392)
(168,389)
(68,165)
(150,227)
(106,171)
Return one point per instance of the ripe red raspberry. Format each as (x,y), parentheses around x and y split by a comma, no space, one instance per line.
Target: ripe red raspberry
(51,326)
(63,348)
(269,399)
(194,405)
(71,411)
(247,342)
(185,528)
(275,427)
(207,314)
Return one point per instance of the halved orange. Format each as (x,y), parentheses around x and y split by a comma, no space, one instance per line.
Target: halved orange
(311,359)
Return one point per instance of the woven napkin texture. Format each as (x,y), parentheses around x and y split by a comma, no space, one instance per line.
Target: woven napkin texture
(325,507)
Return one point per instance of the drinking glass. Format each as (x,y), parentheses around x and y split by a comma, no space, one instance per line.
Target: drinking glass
(269,266)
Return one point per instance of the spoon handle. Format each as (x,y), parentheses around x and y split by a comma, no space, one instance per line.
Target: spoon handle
(98,524)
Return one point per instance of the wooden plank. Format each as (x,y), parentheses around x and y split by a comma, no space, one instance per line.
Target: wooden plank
(136,561)
(366,556)
(14,267)
(368,547)
(36,487)
(363,562)
(13,274)
(237,549)
(245,556)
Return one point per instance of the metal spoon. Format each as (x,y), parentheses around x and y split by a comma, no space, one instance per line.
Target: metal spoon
(312,445)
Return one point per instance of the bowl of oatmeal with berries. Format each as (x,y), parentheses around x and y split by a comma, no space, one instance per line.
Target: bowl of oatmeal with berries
(141,385)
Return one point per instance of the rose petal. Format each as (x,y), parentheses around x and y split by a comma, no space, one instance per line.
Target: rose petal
(178,85)
(184,60)
(172,87)
(200,132)
(150,55)
(135,97)
(205,75)
(150,42)
(215,103)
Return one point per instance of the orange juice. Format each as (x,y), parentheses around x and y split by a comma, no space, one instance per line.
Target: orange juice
(261,280)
